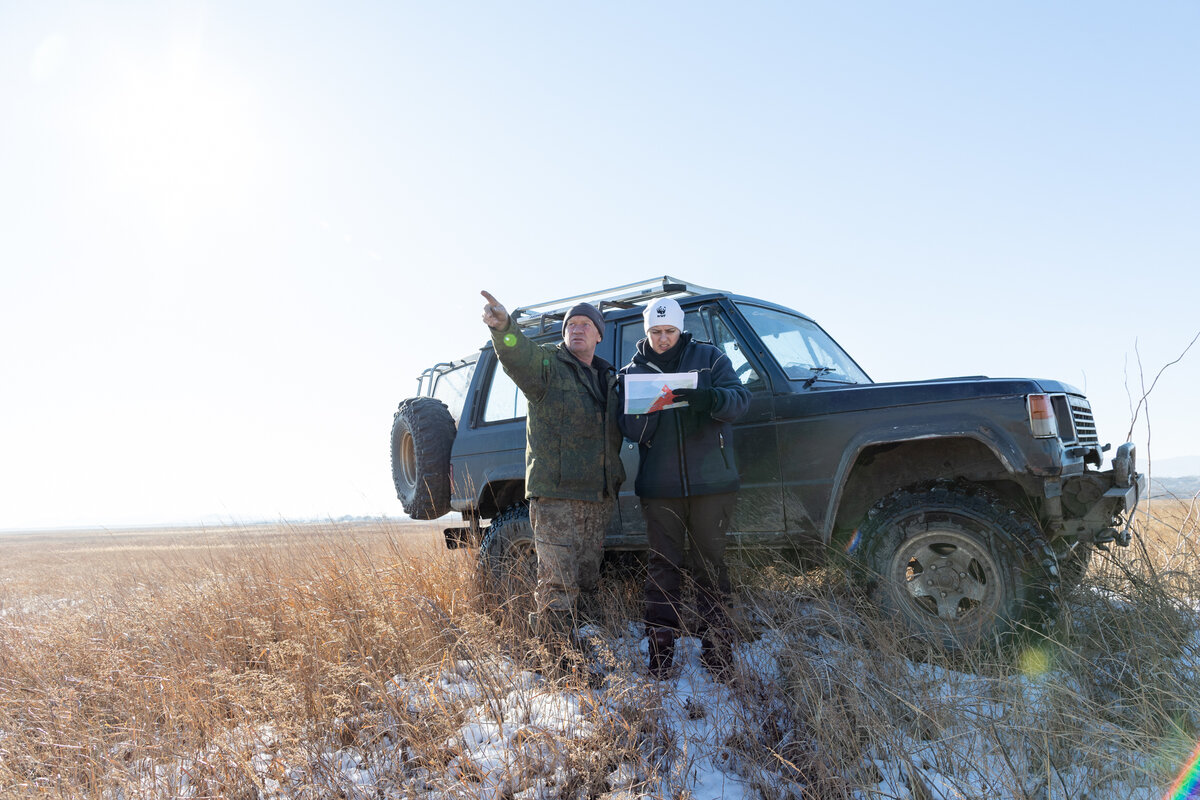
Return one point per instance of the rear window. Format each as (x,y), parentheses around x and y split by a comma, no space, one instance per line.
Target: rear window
(451,388)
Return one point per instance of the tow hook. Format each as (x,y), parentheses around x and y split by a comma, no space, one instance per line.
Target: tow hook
(1121,538)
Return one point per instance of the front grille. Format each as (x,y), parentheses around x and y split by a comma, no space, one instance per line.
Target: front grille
(1075,422)
(1085,424)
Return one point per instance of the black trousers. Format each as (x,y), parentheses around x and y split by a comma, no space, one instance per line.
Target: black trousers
(702,522)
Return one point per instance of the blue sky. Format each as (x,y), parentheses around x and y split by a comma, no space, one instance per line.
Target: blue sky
(231,234)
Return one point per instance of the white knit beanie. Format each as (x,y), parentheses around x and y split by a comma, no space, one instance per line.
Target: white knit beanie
(662,312)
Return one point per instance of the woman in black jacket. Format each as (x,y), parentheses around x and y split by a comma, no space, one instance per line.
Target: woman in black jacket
(687,482)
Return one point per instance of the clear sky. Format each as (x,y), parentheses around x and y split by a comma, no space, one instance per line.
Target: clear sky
(232,234)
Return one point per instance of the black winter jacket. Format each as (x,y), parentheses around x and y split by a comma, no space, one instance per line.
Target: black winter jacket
(680,456)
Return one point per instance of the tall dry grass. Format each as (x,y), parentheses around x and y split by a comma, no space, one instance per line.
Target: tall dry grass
(207,663)
(1113,700)
(118,648)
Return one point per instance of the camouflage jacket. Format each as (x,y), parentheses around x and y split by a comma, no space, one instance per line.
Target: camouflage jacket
(572,442)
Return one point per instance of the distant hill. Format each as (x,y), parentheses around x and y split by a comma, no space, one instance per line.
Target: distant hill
(1173,467)
(1174,487)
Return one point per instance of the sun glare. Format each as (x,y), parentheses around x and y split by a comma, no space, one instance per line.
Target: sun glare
(177,142)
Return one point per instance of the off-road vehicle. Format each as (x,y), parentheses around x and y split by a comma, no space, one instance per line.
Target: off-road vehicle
(967,505)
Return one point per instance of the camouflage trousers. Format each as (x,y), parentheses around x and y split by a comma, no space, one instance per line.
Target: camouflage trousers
(569,538)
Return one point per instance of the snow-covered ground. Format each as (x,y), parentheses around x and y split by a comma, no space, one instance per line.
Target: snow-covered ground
(515,735)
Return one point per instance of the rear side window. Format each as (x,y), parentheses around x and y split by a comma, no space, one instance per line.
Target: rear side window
(504,401)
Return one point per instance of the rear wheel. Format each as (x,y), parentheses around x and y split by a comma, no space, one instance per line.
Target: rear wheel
(422,435)
(508,559)
(958,567)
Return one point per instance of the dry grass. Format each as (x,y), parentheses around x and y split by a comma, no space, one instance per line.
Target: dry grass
(1113,701)
(124,646)
(206,649)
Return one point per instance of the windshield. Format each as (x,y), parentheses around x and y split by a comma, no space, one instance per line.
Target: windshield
(803,350)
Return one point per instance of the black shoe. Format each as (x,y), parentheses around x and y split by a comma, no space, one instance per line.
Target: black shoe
(662,652)
(716,654)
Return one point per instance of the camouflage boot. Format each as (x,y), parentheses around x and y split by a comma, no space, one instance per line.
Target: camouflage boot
(553,630)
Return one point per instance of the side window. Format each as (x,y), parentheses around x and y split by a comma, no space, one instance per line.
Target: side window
(504,401)
(742,367)
(630,333)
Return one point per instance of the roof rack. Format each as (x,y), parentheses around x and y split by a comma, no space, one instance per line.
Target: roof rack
(629,295)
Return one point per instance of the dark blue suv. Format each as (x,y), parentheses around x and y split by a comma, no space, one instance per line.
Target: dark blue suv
(967,504)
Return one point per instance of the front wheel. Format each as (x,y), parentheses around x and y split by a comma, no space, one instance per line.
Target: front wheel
(956,566)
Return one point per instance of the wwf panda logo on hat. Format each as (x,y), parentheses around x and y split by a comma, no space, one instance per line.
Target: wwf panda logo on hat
(663,312)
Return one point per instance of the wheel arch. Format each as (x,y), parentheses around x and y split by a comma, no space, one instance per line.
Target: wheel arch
(498,495)
(875,468)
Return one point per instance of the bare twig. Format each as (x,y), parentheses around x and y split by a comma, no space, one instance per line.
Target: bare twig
(1146,392)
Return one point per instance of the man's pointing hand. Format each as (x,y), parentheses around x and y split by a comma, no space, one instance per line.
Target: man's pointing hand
(494,315)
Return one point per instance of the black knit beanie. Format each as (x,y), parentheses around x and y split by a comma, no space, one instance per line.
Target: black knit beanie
(584,310)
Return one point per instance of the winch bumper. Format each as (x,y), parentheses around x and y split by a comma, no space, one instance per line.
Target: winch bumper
(1097,507)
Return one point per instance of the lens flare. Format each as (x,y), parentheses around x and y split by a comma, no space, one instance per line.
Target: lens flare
(852,545)
(1034,661)
(1187,786)
(510,339)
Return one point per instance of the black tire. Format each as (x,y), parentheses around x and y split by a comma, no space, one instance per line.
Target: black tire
(508,558)
(422,435)
(959,568)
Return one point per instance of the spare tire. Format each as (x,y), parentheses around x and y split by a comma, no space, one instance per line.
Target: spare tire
(422,435)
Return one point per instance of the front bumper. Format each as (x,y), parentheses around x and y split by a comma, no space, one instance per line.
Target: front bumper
(1097,507)
(1126,499)
(1128,496)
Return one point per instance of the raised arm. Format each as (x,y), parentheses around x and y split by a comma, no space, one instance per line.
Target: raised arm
(524,361)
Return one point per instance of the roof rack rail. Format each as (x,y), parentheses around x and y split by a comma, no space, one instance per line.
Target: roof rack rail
(629,295)
(428,377)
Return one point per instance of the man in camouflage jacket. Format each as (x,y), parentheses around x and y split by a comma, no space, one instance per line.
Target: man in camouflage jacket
(572,452)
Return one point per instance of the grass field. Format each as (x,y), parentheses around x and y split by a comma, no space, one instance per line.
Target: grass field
(360,660)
